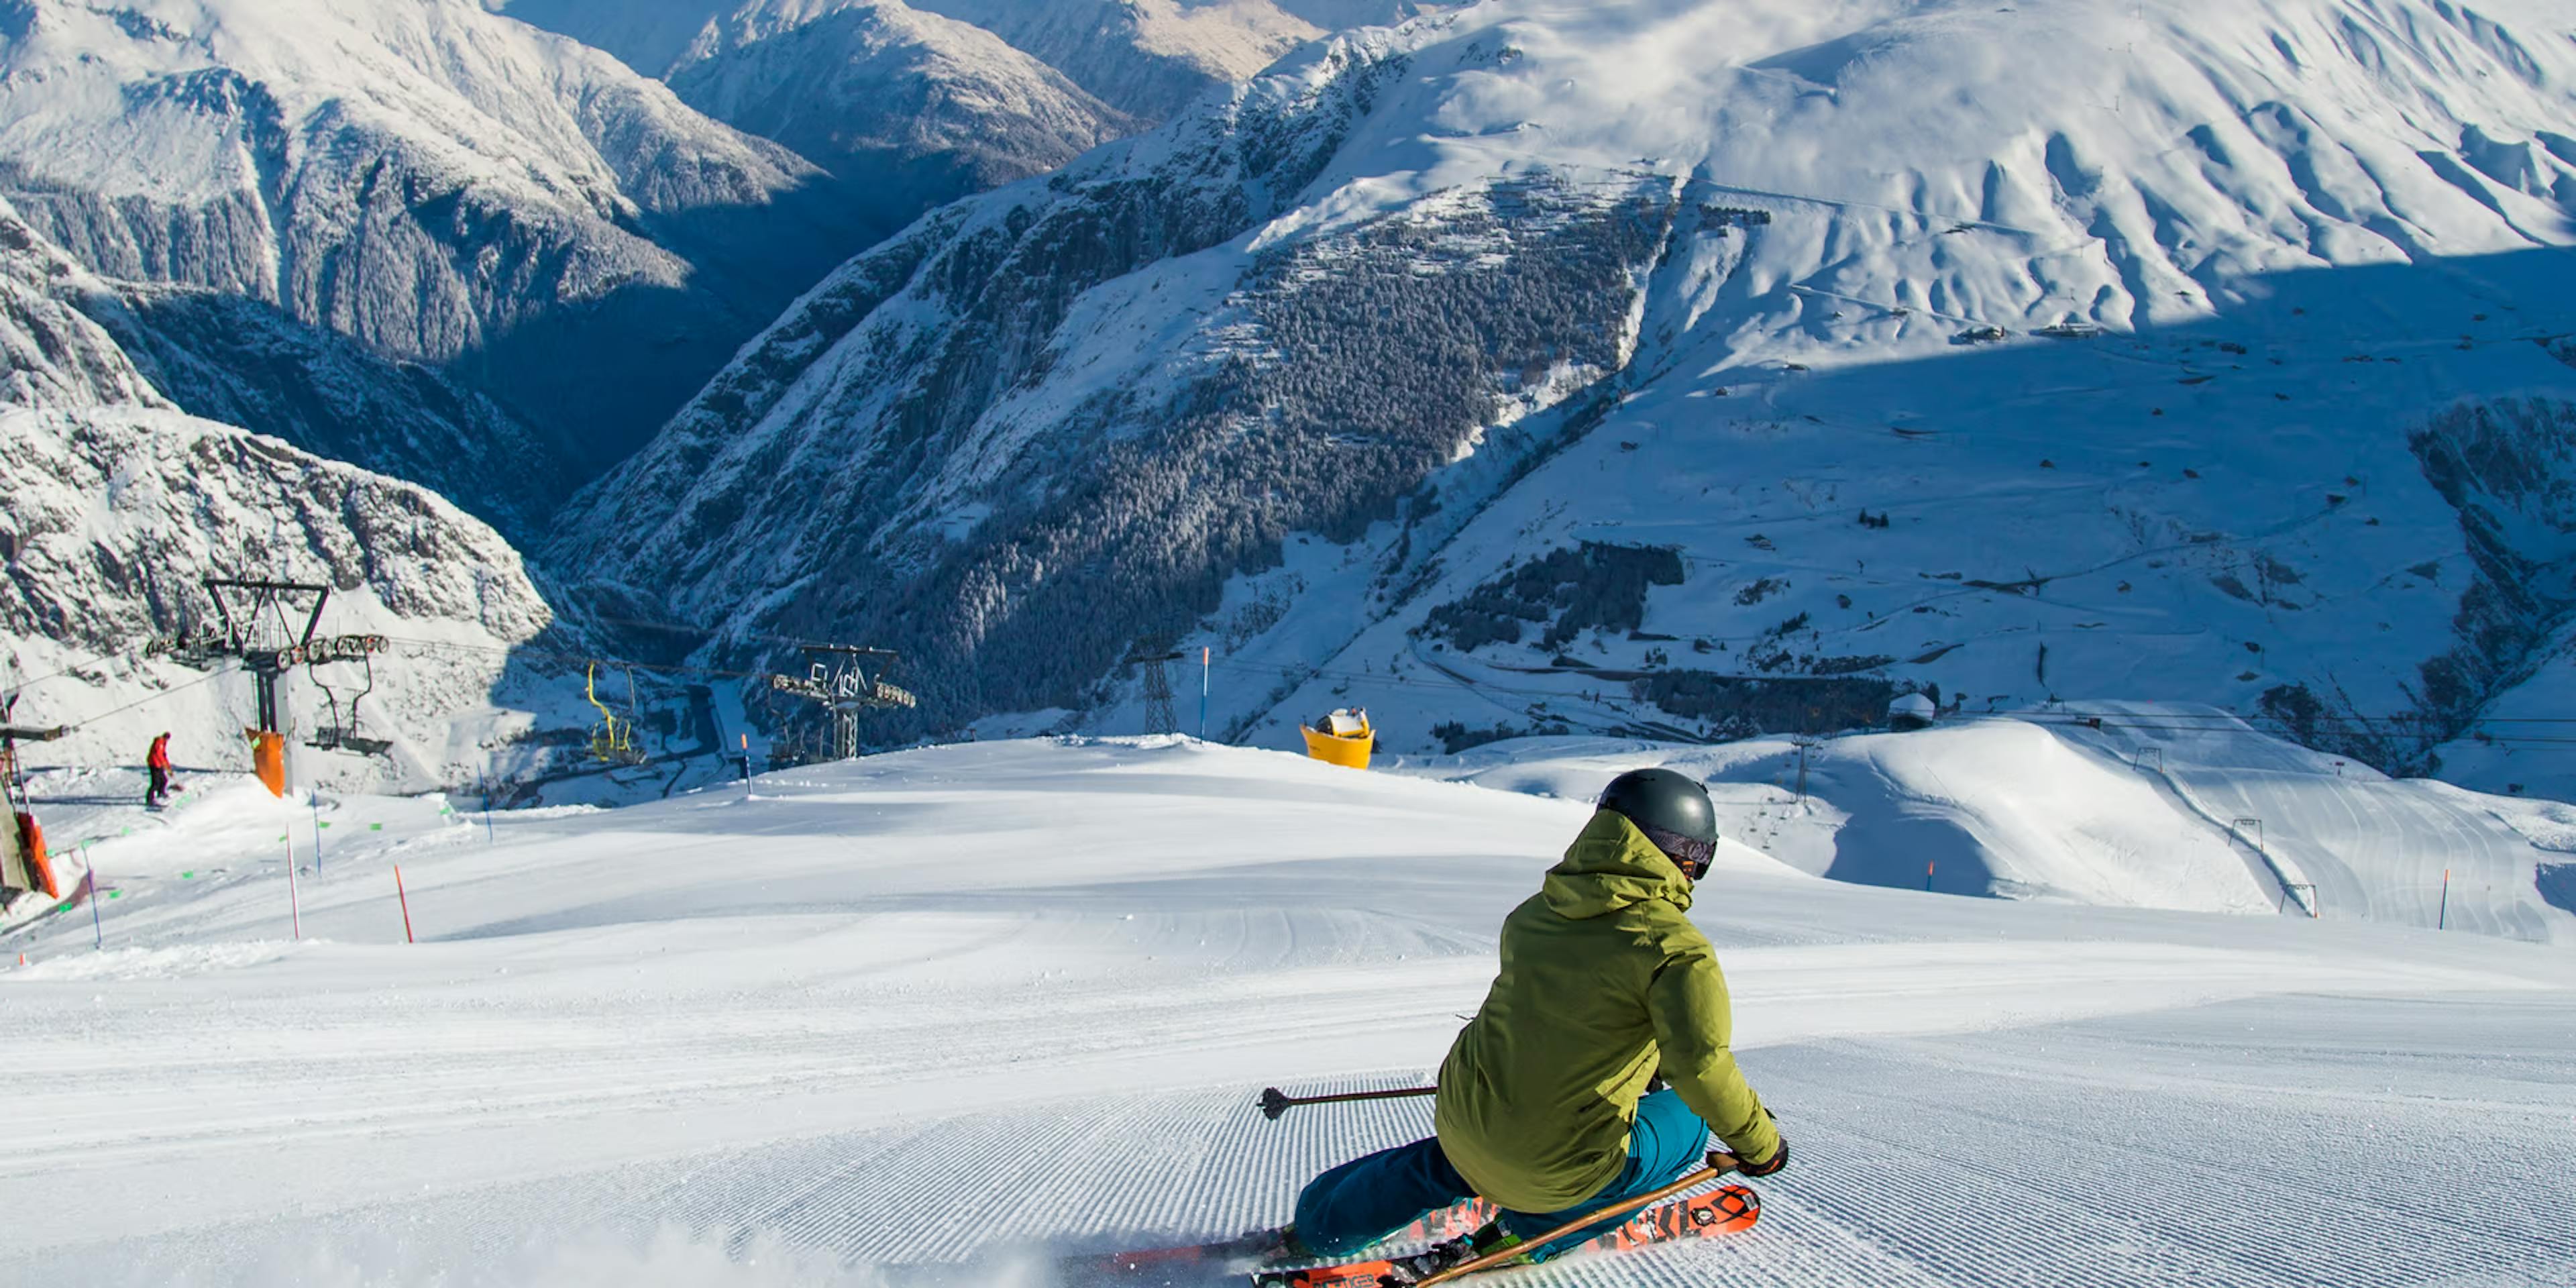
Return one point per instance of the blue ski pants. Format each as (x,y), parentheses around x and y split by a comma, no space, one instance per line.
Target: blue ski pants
(1367,1199)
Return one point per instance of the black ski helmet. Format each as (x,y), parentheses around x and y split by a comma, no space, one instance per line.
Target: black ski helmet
(1672,810)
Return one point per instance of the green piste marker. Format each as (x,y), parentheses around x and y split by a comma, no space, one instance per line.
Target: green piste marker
(375,827)
(187,876)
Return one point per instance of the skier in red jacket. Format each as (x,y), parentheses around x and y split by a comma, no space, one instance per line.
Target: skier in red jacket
(159,763)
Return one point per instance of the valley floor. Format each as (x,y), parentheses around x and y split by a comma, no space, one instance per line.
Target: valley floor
(934,1017)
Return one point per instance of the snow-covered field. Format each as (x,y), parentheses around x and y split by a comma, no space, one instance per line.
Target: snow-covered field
(928,1017)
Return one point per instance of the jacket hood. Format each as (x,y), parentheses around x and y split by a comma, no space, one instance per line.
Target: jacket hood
(1610,866)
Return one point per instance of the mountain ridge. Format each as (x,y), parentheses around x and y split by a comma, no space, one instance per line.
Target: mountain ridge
(1851,189)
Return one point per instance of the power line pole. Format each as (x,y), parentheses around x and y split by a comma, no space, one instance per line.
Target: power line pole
(1160,715)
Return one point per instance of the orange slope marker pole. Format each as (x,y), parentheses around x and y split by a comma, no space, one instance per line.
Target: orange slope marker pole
(405,900)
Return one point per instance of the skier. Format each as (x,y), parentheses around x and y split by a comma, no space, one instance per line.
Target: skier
(1544,1104)
(158,763)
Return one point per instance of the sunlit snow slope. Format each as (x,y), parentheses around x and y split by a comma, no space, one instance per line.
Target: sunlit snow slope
(967,1006)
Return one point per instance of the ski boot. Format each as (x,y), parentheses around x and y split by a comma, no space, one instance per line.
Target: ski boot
(1489,1237)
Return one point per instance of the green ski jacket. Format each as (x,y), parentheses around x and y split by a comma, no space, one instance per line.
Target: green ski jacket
(1604,983)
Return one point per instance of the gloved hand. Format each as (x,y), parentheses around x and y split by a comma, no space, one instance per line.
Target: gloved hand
(1779,1159)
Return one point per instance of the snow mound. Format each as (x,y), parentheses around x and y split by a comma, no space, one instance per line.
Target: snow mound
(2161,807)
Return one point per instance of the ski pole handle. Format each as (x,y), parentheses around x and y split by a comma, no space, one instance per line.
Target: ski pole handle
(1719,1164)
(1275,1102)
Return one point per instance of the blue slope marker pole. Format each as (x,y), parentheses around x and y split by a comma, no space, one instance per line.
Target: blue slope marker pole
(97,937)
(317,838)
(2443,921)
(485,777)
(1205,660)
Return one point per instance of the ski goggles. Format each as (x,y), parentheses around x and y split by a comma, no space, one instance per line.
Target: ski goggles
(1689,854)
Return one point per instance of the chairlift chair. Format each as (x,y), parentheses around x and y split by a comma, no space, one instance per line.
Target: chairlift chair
(613,740)
(346,734)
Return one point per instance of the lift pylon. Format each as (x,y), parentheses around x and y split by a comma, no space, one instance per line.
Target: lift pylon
(838,678)
(24,865)
(269,627)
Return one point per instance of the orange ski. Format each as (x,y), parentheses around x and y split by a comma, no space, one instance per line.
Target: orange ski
(1131,1267)
(1728,1210)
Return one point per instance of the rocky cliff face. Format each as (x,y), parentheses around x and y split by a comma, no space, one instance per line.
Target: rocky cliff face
(75,339)
(115,508)
(51,353)
(436,183)
(117,514)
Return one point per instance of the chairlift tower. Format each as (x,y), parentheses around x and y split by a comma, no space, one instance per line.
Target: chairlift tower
(272,627)
(267,626)
(845,680)
(22,866)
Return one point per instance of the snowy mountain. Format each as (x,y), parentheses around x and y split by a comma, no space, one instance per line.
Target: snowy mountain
(1701,368)
(439,184)
(1152,57)
(910,109)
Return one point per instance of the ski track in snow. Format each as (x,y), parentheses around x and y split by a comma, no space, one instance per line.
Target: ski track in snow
(941,1017)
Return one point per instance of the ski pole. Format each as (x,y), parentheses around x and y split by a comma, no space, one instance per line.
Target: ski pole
(1719,1164)
(1275,1102)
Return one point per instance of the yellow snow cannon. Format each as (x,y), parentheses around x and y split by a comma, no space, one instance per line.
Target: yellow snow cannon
(1343,738)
